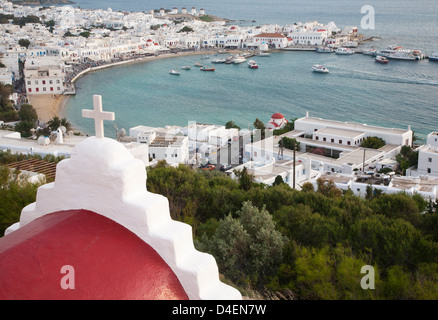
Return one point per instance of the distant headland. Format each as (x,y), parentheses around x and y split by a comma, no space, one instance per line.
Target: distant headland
(40,2)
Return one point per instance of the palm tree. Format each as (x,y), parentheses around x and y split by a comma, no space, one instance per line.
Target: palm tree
(56,122)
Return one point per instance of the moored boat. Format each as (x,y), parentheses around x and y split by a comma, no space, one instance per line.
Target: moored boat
(174,72)
(369,52)
(433,57)
(403,56)
(185,67)
(204,68)
(381,59)
(252,64)
(344,51)
(239,59)
(320,68)
(264,54)
(198,64)
(324,50)
(219,61)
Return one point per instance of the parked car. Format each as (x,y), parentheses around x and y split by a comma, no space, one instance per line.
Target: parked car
(225,167)
(208,167)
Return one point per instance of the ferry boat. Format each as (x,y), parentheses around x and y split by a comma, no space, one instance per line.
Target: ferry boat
(344,51)
(381,59)
(402,56)
(394,52)
(207,69)
(174,72)
(252,64)
(433,57)
(324,50)
(319,68)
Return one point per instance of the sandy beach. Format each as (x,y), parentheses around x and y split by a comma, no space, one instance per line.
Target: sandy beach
(47,105)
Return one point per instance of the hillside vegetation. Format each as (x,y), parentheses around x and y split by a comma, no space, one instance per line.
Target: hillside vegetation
(276,242)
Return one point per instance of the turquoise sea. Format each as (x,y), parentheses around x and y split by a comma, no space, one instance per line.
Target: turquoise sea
(357,89)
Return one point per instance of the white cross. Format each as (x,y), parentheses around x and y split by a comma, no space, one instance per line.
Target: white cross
(98,115)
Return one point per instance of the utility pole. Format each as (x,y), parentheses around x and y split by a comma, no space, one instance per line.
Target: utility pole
(363,162)
(295,147)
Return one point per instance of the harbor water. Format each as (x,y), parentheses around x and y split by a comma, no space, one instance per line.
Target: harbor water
(398,94)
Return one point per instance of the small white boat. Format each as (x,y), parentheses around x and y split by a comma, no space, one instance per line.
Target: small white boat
(319,68)
(239,59)
(264,54)
(324,50)
(185,67)
(174,72)
(369,52)
(219,61)
(198,64)
(433,57)
(344,51)
(381,59)
(252,64)
(205,58)
(204,68)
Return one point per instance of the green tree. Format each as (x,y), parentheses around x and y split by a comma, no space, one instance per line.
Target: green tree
(24,43)
(231,125)
(28,113)
(328,188)
(406,158)
(373,143)
(289,143)
(85,34)
(24,127)
(6,90)
(245,179)
(15,194)
(248,247)
(186,29)
(278,180)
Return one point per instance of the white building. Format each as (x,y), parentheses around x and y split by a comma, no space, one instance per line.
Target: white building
(428,156)
(273,40)
(163,143)
(43,76)
(353,130)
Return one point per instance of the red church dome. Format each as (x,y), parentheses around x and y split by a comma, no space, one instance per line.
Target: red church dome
(109,261)
(277,116)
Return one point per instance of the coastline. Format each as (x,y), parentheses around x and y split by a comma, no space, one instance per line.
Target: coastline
(47,106)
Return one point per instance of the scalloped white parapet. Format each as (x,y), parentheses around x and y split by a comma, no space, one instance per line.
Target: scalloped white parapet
(103,177)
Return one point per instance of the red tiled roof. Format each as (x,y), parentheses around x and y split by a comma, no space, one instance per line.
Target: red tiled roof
(277,116)
(269,35)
